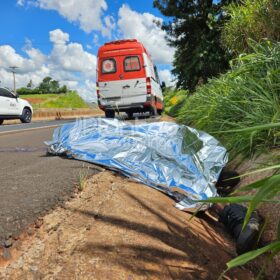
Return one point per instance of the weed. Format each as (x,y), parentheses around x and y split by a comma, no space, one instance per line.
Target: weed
(82,177)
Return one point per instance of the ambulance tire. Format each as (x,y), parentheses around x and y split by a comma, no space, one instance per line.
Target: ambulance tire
(110,114)
(159,111)
(153,110)
(129,115)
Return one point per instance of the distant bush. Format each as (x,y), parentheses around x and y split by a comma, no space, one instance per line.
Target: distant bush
(48,85)
(246,96)
(253,19)
(25,91)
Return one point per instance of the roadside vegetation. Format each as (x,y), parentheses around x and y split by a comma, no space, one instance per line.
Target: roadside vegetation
(254,20)
(70,100)
(240,106)
(47,86)
(174,100)
(246,96)
(49,94)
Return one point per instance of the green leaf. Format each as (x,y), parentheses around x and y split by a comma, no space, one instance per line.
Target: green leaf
(255,185)
(258,171)
(249,129)
(235,199)
(266,192)
(260,183)
(243,259)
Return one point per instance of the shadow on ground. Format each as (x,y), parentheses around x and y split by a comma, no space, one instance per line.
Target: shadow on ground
(169,246)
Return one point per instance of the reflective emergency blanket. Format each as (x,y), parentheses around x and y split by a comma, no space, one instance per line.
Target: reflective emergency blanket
(182,162)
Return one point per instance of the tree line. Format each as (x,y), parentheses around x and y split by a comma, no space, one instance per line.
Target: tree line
(207,34)
(48,85)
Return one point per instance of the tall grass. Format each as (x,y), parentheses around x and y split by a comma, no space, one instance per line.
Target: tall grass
(246,96)
(254,19)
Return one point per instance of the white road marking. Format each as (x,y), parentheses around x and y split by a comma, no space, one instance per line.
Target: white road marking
(28,129)
(56,125)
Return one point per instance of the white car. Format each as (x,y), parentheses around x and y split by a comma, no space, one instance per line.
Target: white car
(13,107)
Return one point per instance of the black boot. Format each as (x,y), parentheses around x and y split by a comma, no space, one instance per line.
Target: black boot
(228,180)
(232,217)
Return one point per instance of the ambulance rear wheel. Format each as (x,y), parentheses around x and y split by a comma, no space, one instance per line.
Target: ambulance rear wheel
(129,115)
(159,112)
(110,114)
(153,110)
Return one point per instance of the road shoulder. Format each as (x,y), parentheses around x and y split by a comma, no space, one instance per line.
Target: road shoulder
(119,229)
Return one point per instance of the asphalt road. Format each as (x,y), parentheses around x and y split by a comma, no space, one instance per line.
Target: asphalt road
(32,183)
(11,128)
(31,126)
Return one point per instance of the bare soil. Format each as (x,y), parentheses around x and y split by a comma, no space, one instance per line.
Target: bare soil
(119,229)
(35,100)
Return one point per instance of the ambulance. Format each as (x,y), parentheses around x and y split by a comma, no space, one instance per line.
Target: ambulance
(127,80)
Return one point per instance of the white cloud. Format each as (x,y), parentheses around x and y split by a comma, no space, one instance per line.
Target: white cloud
(68,62)
(86,13)
(95,39)
(9,57)
(144,28)
(20,2)
(109,26)
(88,91)
(57,36)
(71,57)
(167,77)
(91,15)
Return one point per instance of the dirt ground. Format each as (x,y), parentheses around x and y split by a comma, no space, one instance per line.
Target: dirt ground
(119,229)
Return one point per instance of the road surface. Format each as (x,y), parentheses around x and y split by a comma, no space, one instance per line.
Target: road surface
(32,183)
(31,126)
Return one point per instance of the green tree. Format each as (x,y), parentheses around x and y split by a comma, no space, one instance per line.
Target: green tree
(45,85)
(47,80)
(54,86)
(63,89)
(30,84)
(195,30)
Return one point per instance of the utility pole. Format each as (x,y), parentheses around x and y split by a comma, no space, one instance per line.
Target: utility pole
(13,70)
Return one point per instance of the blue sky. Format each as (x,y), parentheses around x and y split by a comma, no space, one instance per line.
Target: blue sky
(60,38)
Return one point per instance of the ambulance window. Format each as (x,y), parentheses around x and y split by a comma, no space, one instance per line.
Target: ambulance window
(132,63)
(109,66)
